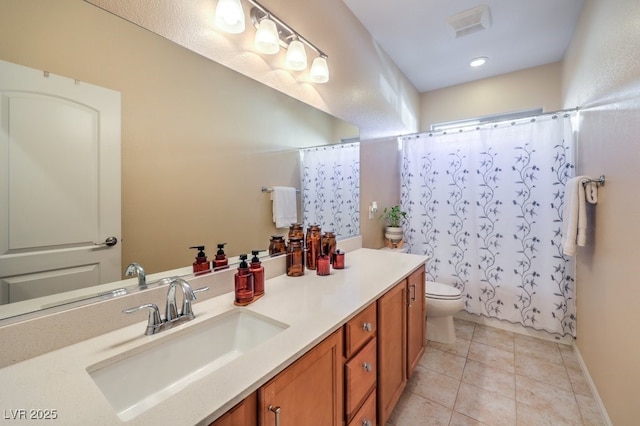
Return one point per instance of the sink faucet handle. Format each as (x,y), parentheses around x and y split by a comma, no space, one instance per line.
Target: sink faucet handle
(155,320)
(200,290)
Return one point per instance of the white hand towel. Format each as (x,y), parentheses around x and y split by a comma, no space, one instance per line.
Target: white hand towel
(574,222)
(591,192)
(285,206)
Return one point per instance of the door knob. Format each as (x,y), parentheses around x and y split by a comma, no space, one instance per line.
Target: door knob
(109,242)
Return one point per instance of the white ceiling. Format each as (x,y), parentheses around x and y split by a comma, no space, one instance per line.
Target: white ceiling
(417,37)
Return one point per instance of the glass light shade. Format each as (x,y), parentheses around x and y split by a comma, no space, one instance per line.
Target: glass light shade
(230,16)
(267,40)
(319,72)
(296,58)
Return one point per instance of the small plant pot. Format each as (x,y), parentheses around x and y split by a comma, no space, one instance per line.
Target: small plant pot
(393,234)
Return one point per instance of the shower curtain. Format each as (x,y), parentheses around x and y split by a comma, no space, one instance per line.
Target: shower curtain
(331,188)
(485,204)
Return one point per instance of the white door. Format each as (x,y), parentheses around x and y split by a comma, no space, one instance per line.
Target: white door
(59,184)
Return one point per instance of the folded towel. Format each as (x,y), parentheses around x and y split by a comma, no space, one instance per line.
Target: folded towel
(285,206)
(574,219)
(591,192)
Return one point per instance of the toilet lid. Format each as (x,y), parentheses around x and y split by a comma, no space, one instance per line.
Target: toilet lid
(442,291)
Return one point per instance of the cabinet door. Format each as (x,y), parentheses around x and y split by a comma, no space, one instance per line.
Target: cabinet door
(309,391)
(416,320)
(392,355)
(243,414)
(360,377)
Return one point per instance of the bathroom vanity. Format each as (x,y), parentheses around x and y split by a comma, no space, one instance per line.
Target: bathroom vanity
(331,339)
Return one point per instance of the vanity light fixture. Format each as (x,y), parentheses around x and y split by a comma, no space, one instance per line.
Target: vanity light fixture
(267,40)
(296,58)
(478,62)
(230,16)
(271,34)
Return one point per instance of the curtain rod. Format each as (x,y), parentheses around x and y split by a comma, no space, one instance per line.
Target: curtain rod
(488,122)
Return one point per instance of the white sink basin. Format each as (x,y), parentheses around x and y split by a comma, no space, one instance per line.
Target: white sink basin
(152,373)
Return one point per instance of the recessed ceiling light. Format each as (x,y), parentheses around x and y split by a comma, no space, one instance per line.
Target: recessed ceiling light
(478,62)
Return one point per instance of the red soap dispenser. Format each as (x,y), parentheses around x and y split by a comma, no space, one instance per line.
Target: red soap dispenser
(257,270)
(201,265)
(243,283)
(220,261)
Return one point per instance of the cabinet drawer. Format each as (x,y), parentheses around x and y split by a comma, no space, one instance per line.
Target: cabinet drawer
(366,415)
(359,330)
(360,377)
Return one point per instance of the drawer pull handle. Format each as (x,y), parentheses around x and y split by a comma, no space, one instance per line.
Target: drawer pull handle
(367,367)
(367,326)
(366,422)
(276,411)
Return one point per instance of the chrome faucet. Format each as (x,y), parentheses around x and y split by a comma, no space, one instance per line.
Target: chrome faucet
(156,324)
(136,268)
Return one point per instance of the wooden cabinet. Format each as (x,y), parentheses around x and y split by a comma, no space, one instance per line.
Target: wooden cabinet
(366,415)
(392,349)
(309,391)
(360,369)
(243,414)
(401,340)
(416,319)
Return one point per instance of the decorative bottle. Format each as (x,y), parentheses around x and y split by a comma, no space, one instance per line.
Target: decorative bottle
(220,261)
(243,283)
(296,231)
(201,265)
(277,245)
(257,270)
(313,245)
(295,258)
(329,244)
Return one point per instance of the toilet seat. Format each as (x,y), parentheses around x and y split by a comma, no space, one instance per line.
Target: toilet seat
(441,291)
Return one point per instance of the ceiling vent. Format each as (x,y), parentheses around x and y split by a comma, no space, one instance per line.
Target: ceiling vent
(470,21)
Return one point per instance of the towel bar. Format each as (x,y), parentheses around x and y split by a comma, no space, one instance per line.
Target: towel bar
(265,189)
(599,181)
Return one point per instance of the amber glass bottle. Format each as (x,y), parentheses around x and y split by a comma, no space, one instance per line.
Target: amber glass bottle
(313,245)
(296,231)
(329,244)
(295,258)
(243,283)
(257,270)
(277,245)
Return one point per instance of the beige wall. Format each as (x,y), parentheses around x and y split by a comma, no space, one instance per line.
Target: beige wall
(537,87)
(601,75)
(198,140)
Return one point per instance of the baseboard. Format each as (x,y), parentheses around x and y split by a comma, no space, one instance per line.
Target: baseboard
(592,386)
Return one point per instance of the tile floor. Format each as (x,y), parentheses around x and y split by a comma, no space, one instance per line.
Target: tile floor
(495,377)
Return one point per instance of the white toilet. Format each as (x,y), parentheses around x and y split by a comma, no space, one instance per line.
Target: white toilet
(442,301)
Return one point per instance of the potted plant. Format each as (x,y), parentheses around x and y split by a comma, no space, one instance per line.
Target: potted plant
(393,217)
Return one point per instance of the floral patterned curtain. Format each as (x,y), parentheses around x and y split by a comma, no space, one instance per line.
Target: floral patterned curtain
(486,204)
(331,188)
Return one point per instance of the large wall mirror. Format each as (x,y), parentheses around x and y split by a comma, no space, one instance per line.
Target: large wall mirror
(198,141)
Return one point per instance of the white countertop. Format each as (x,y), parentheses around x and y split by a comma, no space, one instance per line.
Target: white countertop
(311,305)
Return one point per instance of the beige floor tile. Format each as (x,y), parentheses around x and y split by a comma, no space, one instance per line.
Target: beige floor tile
(500,339)
(591,415)
(489,378)
(414,410)
(494,357)
(530,416)
(538,348)
(579,382)
(485,406)
(569,357)
(464,329)
(458,419)
(542,396)
(443,362)
(536,368)
(434,386)
(460,347)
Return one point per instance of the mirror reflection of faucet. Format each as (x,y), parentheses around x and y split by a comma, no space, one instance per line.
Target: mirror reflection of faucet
(156,324)
(137,269)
